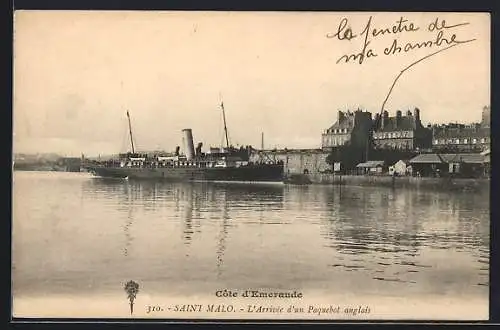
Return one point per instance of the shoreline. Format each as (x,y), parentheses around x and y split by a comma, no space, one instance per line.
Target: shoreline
(444,183)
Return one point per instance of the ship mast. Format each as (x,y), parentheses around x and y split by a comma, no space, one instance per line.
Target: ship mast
(130,131)
(224,118)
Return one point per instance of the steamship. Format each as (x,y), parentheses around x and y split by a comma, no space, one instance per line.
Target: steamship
(217,164)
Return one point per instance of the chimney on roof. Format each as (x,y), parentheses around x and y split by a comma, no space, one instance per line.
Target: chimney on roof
(398,118)
(385,118)
(377,120)
(417,115)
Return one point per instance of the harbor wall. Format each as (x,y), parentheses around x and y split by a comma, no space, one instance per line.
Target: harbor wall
(296,161)
(400,181)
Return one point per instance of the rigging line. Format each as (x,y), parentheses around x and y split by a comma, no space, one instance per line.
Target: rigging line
(416,62)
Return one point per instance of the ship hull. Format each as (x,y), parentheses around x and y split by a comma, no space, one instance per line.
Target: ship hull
(260,173)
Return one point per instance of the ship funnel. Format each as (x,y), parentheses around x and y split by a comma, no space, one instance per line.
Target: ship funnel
(188,143)
(177,150)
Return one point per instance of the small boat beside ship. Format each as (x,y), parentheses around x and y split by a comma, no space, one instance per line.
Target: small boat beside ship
(217,164)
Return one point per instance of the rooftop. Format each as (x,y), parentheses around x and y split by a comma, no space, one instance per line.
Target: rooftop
(371,164)
(461,132)
(405,123)
(346,119)
(448,158)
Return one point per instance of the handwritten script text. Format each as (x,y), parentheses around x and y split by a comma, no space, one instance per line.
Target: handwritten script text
(439,28)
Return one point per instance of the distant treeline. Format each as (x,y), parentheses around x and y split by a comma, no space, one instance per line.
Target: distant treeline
(60,164)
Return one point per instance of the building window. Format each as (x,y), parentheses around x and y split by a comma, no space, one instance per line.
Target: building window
(483,140)
(465,141)
(474,140)
(436,141)
(457,141)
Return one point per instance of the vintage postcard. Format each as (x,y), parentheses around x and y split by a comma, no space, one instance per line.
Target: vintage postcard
(251,165)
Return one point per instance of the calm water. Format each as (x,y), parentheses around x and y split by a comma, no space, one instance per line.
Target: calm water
(74,234)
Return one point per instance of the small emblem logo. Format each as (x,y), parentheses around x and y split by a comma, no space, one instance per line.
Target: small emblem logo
(132,289)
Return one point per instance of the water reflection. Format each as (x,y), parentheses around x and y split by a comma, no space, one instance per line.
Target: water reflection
(192,203)
(194,238)
(221,239)
(128,236)
(391,235)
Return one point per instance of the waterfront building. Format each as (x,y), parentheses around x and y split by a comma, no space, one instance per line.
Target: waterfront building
(371,167)
(460,165)
(463,138)
(296,161)
(428,165)
(486,117)
(460,138)
(487,161)
(401,132)
(351,127)
(400,168)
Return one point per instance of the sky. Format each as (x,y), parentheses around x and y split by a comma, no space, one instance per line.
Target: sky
(76,73)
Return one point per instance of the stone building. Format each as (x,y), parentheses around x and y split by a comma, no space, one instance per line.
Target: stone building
(401,132)
(486,117)
(463,138)
(460,138)
(353,127)
(296,161)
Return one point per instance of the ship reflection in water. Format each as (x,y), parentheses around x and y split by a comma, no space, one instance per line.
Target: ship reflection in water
(192,238)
